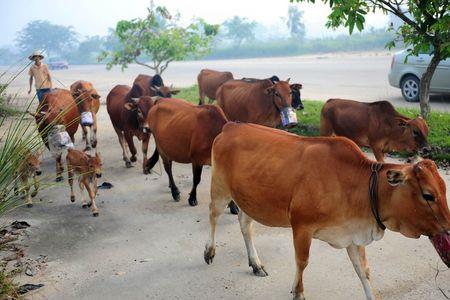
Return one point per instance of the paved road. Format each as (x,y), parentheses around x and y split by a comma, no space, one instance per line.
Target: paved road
(359,76)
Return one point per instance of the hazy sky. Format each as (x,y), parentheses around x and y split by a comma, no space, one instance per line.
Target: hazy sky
(92,17)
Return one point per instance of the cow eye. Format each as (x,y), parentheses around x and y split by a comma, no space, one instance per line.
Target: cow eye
(415,132)
(428,197)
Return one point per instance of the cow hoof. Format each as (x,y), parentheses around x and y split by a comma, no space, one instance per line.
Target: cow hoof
(95,214)
(59,179)
(234,209)
(146,171)
(33,194)
(88,148)
(72,198)
(209,254)
(259,271)
(128,164)
(298,297)
(176,195)
(29,204)
(133,158)
(84,205)
(94,144)
(192,201)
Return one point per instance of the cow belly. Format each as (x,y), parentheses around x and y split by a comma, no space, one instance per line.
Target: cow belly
(358,232)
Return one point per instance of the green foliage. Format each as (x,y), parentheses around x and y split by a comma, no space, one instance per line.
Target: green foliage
(309,123)
(160,38)
(239,30)
(43,35)
(295,23)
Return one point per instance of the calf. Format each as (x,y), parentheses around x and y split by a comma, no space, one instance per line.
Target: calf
(31,167)
(376,125)
(88,168)
(323,188)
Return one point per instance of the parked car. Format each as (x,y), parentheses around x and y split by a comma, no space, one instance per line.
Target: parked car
(58,64)
(406,75)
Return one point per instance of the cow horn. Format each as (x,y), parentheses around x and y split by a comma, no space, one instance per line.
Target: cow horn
(287,80)
(134,99)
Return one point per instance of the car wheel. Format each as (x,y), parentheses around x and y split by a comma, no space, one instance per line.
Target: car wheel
(410,88)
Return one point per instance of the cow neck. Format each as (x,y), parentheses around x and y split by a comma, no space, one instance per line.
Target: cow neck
(373,192)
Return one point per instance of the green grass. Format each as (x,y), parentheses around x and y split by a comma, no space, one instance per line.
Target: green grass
(8,289)
(309,123)
(5,108)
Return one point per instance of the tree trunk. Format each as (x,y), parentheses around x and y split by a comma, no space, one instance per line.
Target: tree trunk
(425,82)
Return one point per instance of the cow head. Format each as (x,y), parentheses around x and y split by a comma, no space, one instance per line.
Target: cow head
(281,92)
(84,97)
(418,203)
(296,96)
(95,165)
(34,164)
(413,135)
(158,88)
(139,108)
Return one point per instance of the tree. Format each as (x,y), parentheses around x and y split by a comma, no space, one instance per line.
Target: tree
(425,28)
(239,29)
(295,23)
(159,38)
(43,35)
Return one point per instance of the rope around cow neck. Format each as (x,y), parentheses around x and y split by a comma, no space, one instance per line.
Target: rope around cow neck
(373,193)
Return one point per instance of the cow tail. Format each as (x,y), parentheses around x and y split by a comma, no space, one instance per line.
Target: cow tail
(152,160)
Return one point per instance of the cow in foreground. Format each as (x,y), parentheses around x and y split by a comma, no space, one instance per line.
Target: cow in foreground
(184,133)
(57,108)
(88,168)
(209,82)
(30,167)
(323,188)
(376,125)
(88,102)
(260,102)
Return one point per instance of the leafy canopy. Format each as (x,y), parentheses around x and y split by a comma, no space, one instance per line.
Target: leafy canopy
(159,38)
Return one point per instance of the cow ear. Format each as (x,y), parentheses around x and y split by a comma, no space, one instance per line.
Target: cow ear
(129,106)
(174,92)
(270,90)
(287,80)
(296,86)
(395,177)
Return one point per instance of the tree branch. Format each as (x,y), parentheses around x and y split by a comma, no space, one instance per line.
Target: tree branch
(399,14)
(143,64)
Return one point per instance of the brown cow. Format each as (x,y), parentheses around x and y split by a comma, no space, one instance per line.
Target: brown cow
(88,101)
(88,168)
(152,86)
(208,83)
(320,187)
(57,107)
(376,125)
(259,102)
(184,133)
(129,118)
(31,167)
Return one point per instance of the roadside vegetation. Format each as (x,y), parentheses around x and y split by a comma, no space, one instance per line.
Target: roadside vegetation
(5,106)
(309,124)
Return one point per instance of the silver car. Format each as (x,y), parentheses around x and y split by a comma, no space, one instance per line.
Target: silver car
(406,75)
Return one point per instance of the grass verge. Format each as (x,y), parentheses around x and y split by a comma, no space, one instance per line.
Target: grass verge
(309,123)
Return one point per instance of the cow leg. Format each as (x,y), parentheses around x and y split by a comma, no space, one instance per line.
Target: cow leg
(357,256)
(173,188)
(59,169)
(302,243)
(197,174)
(91,193)
(26,189)
(144,154)
(121,138)
(86,137)
(201,98)
(94,132)
(247,232)
(82,185)
(219,201)
(70,179)
(378,153)
(129,139)
(36,182)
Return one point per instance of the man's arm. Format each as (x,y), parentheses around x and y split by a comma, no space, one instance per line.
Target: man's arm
(48,76)
(31,84)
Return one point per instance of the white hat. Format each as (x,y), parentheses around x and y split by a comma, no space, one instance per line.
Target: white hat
(36,53)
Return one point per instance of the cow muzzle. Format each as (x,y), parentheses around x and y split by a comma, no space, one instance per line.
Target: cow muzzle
(300,107)
(86,118)
(288,117)
(98,175)
(425,151)
(38,172)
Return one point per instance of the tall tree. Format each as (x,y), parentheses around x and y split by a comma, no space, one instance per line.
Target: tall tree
(159,38)
(43,35)
(295,23)
(425,28)
(239,30)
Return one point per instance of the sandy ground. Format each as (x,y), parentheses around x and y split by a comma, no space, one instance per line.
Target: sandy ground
(146,246)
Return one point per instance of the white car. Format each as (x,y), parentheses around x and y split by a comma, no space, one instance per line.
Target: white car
(406,75)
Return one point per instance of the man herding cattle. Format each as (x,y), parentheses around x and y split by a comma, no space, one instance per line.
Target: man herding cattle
(376,125)
(323,188)
(41,75)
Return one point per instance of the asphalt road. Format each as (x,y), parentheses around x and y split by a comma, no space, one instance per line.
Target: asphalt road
(145,246)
